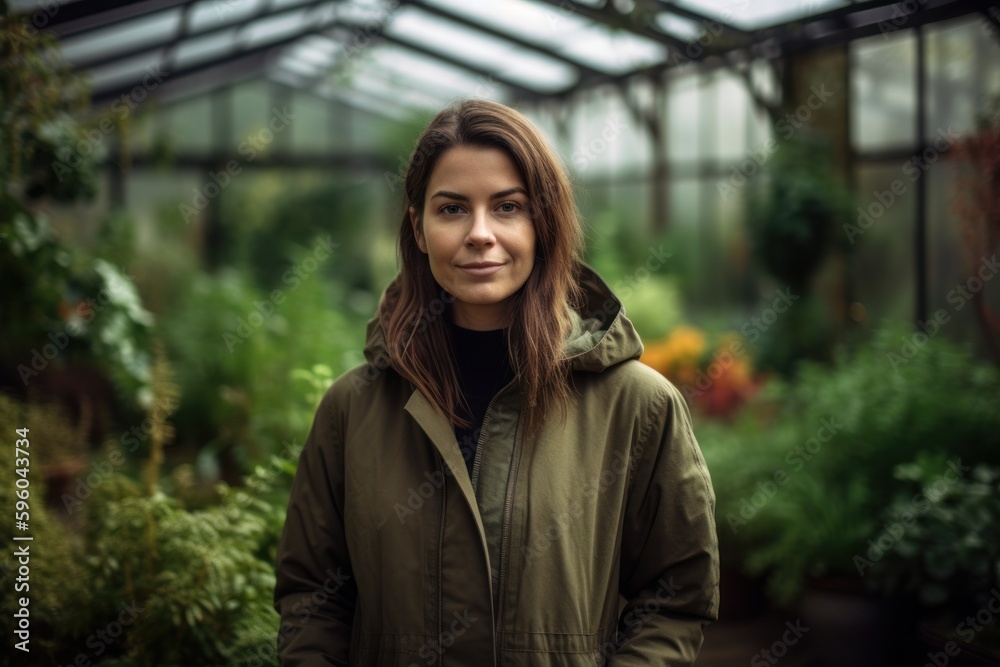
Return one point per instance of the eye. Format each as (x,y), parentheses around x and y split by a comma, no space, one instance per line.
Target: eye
(450,209)
(514,207)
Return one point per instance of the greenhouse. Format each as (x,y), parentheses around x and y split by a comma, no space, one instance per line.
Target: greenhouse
(243,337)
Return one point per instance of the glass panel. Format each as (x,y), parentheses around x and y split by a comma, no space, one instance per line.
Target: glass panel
(121,37)
(732,106)
(961,74)
(683,116)
(127,72)
(393,93)
(684,202)
(317,51)
(883,279)
(883,91)
(251,104)
(200,49)
(759,13)
(605,139)
(271,29)
(481,51)
(209,14)
(561,29)
(950,264)
(678,26)
(423,71)
(189,126)
(311,126)
(359,102)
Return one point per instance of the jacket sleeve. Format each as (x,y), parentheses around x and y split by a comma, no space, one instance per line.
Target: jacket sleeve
(315,592)
(669,553)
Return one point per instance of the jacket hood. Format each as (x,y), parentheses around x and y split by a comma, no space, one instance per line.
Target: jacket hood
(601,335)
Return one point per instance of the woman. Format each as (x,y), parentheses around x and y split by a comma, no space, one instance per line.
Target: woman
(578,529)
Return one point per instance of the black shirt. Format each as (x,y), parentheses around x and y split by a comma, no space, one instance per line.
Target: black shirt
(483,367)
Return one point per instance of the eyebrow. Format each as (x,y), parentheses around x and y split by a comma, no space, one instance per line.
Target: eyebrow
(503,193)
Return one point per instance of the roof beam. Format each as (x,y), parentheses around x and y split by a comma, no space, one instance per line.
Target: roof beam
(520,88)
(231,67)
(585,70)
(102,96)
(693,15)
(786,35)
(614,19)
(86,15)
(148,47)
(258,51)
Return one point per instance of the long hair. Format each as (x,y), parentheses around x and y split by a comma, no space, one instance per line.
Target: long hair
(412,311)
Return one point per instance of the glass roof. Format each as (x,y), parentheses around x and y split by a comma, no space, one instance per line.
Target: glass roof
(415,53)
(756,14)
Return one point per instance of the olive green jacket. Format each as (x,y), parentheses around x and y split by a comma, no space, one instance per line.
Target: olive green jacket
(592,542)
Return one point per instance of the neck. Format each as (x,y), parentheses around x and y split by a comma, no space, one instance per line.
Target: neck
(487,319)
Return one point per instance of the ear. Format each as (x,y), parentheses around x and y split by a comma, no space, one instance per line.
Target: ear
(417,231)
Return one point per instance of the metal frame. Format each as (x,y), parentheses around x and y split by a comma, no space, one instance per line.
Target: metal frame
(728,47)
(729,44)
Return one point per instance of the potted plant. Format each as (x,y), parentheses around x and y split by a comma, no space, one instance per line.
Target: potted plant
(821,468)
(943,553)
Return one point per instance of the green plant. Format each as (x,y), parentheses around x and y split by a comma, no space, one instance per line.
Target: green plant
(942,402)
(39,93)
(942,541)
(269,220)
(238,397)
(57,585)
(53,293)
(798,221)
(794,224)
(83,308)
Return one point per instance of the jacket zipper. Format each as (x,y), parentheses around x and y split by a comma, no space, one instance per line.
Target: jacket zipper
(440,609)
(482,434)
(504,538)
(507,502)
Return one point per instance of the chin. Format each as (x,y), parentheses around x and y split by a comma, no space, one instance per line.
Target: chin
(479,299)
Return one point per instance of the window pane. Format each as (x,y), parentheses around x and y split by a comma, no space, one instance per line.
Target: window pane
(883,91)
(960,78)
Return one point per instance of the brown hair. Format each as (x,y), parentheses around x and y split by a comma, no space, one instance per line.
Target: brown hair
(414,304)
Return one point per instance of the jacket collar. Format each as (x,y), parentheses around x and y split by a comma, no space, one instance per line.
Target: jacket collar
(601,335)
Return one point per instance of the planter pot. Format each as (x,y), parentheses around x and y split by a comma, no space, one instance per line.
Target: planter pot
(848,626)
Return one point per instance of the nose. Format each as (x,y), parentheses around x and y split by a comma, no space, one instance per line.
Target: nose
(481,232)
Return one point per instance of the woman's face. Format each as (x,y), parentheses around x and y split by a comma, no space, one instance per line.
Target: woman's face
(476,212)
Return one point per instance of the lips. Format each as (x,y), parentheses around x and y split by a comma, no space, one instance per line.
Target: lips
(480,268)
(480,265)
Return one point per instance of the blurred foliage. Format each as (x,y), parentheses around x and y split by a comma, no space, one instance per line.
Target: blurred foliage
(234,346)
(717,379)
(63,306)
(59,304)
(269,222)
(798,506)
(57,585)
(187,586)
(941,535)
(794,223)
(803,332)
(799,219)
(45,153)
(651,299)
